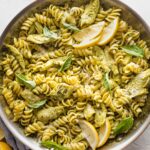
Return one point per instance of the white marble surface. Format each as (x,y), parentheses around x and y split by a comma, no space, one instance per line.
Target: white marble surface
(9,8)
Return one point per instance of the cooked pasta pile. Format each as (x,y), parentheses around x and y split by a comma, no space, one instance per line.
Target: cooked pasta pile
(50,85)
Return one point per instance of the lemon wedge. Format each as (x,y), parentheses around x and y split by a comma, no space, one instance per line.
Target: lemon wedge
(1,134)
(109,32)
(104,133)
(89,32)
(89,133)
(4,146)
(87,43)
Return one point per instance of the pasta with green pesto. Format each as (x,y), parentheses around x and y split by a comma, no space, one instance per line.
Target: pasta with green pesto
(57,74)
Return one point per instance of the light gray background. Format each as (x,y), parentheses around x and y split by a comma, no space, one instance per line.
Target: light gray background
(9,8)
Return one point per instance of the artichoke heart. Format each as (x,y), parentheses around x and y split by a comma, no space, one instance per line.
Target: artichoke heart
(138,85)
(89,112)
(52,62)
(90,13)
(29,96)
(17,54)
(62,91)
(100,118)
(41,39)
(49,114)
(68,18)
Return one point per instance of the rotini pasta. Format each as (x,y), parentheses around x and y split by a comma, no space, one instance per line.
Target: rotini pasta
(50,85)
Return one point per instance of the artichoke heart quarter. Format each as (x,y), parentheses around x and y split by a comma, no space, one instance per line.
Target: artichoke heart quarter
(89,15)
(40,39)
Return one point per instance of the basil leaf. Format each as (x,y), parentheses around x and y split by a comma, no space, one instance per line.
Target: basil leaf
(53,145)
(37,104)
(66,64)
(50,34)
(23,80)
(133,50)
(124,126)
(71,27)
(106,81)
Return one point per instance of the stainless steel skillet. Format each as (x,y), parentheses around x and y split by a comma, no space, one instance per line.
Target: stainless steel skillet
(128,15)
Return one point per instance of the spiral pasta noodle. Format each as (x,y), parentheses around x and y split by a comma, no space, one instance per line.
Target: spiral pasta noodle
(33,128)
(18,109)
(55,75)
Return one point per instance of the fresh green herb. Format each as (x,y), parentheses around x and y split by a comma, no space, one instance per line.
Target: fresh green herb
(133,50)
(67,64)
(23,80)
(106,81)
(124,126)
(50,34)
(53,145)
(37,104)
(71,27)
